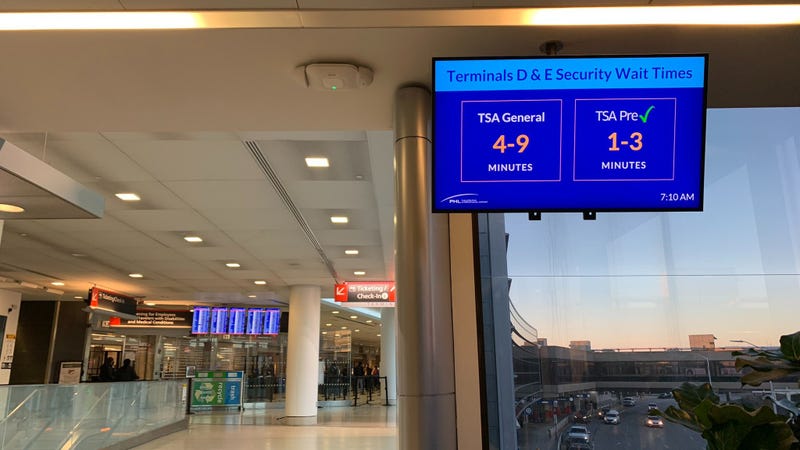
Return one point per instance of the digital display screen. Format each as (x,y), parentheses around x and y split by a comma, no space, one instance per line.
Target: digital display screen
(219,320)
(565,133)
(255,319)
(236,320)
(200,320)
(272,321)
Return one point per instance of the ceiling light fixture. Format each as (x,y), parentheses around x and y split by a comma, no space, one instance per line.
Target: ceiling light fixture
(369,321)
(339,219)
(324,332)
(357,330)
(150,304)
(334,312)
(193,239)
(351,252)
(78,297)
(135,275)
(379,335)
(251,296)
(57,283)
(233,265)
(354,317)
(9,208)
(312,161)
(128,197)
(344,328)
(260,282)
(328,324)
(359,272)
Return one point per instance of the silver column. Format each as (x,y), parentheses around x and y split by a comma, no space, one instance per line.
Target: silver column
(425,368)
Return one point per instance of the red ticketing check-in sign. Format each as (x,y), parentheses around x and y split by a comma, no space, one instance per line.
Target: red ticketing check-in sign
(366,293)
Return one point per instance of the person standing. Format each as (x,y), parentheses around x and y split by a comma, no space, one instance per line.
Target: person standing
(127,372)
(107,370)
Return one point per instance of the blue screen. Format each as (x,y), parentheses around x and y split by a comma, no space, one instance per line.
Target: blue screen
(219,320)
(200,320)
(255,318)
(236,320)
(272,321)
(569,134)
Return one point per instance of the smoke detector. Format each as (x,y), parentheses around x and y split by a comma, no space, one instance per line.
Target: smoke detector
(334,76)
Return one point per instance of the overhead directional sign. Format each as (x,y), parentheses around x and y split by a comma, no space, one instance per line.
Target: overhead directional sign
(621,133)
(366,293)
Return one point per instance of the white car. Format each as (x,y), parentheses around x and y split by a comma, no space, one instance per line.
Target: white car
(628,401)
(611,417)
(578,433)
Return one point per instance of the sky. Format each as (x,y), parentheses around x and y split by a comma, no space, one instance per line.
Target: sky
(647,280)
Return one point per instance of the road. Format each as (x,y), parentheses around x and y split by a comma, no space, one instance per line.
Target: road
(631,433)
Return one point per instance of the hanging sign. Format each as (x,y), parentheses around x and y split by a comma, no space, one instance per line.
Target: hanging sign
(366,293)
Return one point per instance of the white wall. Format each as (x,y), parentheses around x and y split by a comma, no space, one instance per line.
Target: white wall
(8,300)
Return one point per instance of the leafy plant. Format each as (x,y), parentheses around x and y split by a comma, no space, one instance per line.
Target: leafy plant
(729,427)
(769,365)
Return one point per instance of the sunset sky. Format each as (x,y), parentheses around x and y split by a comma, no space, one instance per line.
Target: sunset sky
(651,279)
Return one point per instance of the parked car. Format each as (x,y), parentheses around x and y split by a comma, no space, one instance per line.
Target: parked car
(612,417)
(654,421)
(628,401)
(582,417)
(578,433)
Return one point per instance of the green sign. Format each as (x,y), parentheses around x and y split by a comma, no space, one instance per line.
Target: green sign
(208,393)
(217,389)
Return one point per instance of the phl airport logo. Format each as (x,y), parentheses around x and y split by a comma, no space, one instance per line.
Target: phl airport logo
(463,199)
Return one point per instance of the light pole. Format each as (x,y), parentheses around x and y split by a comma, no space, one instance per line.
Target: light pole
(708,370)
(771,387)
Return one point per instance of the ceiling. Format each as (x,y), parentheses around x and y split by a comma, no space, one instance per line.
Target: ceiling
(179,116)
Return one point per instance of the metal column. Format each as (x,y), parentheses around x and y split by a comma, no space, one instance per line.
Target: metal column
(425,367)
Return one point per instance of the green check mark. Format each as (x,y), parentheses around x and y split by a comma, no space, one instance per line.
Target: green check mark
(646,114)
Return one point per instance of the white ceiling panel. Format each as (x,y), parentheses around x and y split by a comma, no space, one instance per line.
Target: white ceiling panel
(215,253)
(165,220)
(262,238)
(226,194)
(194,160)
(333,194)
(110,239)
(86,157)
(146,254)
(107,223)
(231,219)
(60,5)
(271,253)
(351,237)
(348,160)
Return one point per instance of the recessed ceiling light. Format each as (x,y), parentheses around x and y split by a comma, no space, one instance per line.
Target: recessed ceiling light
(193,239)
(5,207)
(357,330)
(251,296)
(334,312)
(339,219)
(128,197)
(344,328)
(233,265)
(369,321)
(328,324)
(337,335)
(78,255)
(260,282)
(379,335)
(78,297)
(313,161)
(354,317)
(359,272)
(57,283)
(150,304)
(135,275)
(351,252)
(324,332)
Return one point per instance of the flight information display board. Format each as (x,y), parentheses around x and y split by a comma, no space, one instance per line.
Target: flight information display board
(219,320)
(616,133)
(272,321)
(236,320)
(255,320)
(201,317)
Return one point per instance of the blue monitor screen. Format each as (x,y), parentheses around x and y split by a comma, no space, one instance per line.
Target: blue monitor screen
(200,320)
(219,320)
(236,320)
(569,134)
(255,318)
(272,321)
